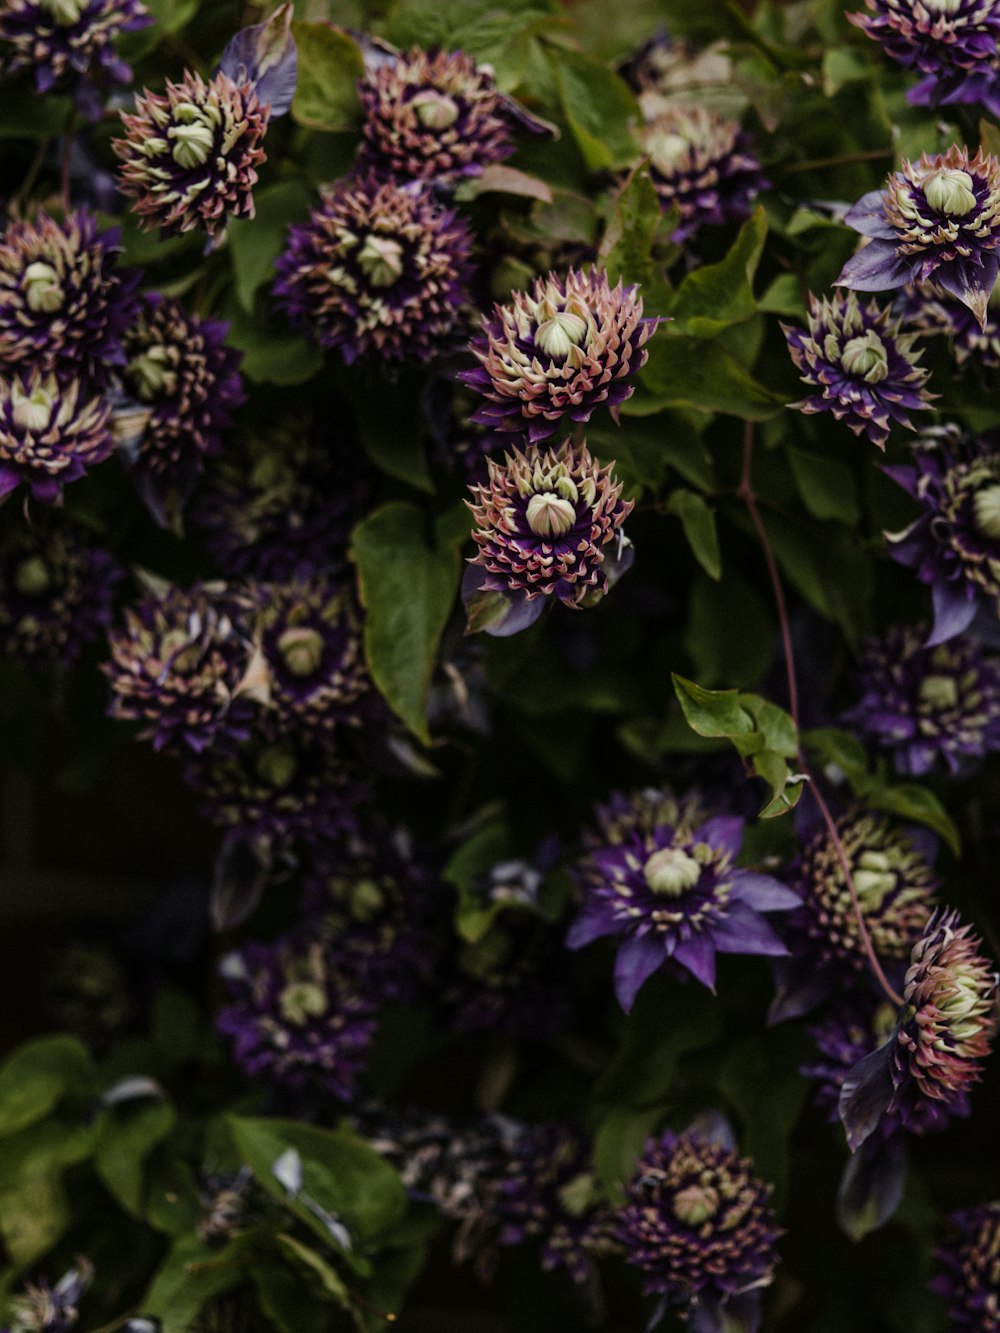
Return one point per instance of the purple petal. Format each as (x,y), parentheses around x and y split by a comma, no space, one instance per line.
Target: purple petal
(743,931)
(954,612)
(871,1187)
(724,833)
(867,216)
(637,960)
(866,1092)
(499,614)
(875,268)
(698,955)
(266,56)
(590,925)
(971,286)
(763,893)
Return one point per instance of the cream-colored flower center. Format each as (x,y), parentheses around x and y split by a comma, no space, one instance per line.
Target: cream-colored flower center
(435,111)
(671,871)
(557,336)
(696,1204)
(42,288)
(32,577)
(667,149)
(949,191)
(874,879)
(866,357)
(549,515)
(152,374)
(943,6)
(193,141)
(986,512)
(301,650)
(381,260)
(302,1000)
(65,12)
(33,412)
(939,691)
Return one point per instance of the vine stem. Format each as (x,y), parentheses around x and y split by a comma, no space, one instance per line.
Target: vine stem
(745,492)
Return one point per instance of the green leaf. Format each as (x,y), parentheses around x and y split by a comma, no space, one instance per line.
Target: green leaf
(783,297)
(391,426)
(699,529)
(341,1175)
(826,485)
(712,712)
(989,137)
(626,250)
(291,1307)
(130,1133)
(35,1077)
(192,1275)
(25,116)
(843,64)
(599,107)
(487,846)
(618,1143)
(34,1212)
(325,1277)
(715,296)
(408,587)
(271,356)
(255,245)
(330,65)
(730,633)
(690,372)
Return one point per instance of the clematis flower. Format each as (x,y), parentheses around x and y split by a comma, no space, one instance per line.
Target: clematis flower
(50,434)
(932,314)
(968,1276)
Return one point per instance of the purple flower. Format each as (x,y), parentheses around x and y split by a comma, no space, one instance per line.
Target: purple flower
(177,665)
(934,314)
(179,368)
(926,704)
(703,165)
(63,303)
(69,42)
(555,355)
(432,115)
(42,1308)
(969,1273)
(265,56)
(56,591)
(942,1035)
(861,367)
(50,434)
(671,892)
(955,543)
(697,1222)
(937,220)
(190,156)
(295,1020)
(952,43)
(548,524)
(379,271)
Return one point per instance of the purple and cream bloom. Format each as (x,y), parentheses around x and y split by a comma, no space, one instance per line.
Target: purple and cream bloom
(699,1225)
(858,365)
(177,666)
(51,433)
(937,221)
(548,524)
(968,1274)
(932,314)
(179,368)
(672,894)
(952,43)
(309,633)
(56,591)
(294,1018)
(190,155)
(942,1034)
(703,165)
(69,43)
(64,304)
(551,356)
(41,1307)
(378,272)
(954,546)
(432,115)
(927,704)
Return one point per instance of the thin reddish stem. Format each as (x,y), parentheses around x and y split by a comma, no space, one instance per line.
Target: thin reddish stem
(745,492)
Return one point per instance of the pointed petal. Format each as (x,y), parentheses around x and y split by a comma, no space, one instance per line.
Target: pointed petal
(871,1187)
(971,286)
(743,931)
(590,925)
(763,893)
(867,216)
(637,960)
(954,612)
(698,955)
(866,1093)
(725,833)
(801,986)
(875,268)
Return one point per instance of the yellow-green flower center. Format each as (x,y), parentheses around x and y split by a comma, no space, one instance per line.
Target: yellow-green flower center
(42,288)
(549,515)
(986,511)
(65,12)
(866,357)
(381,260)
(667,149)
(32,577)
(276,766)
(939,691)
(367,900)
(302,1000)
(557,336)
(33,412)
(152,374)
(671,871)
(301,650)
(696,1204)
(193,142)
(435,111)
(949,191)
(943,6)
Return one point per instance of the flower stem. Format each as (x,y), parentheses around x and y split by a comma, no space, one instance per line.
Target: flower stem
(745,492)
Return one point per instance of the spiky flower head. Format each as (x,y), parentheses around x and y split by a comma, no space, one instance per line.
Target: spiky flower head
(942,1035)
(379,271)
(43,1308)
(859,366)
(56,591)
(666,70)
(63,302)
(548,524)
(926,704)
(176,666)
(431,115)
(50,433)
(282,503)
(295,1020)
(969,1276)
(937,220)
(932,314)
(69,43)
(703,165)
(309,633)
(556,354)
(954,546)
(697,1222)
(179,367)
(190,155)
(952,43)
(671,893)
